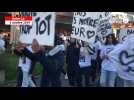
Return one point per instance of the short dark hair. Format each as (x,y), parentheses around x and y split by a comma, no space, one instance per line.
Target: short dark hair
(114,40)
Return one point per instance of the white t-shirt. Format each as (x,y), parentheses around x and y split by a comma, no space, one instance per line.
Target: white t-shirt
(106,63)
(25,66)
(97,47)
(85,58)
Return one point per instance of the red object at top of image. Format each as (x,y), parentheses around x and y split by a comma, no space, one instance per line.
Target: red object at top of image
(18,18)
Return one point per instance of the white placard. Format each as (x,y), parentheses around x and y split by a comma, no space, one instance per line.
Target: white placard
(84,26)
(123,57)
(105,24)
(42,29)
(124,33)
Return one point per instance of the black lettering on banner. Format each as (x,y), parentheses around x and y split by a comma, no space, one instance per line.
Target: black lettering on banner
(90,50)
(96,22)
(43,30)
(104,25)
(90,34)
(107,13)
(130,69)
(82,31)
(130,31)
(83,14)
(48,18)
(127,56)
(43,23)
(88,21)
(25,29)
(100,17)
(36,20)
(75,30)
(104,28)
(74,20)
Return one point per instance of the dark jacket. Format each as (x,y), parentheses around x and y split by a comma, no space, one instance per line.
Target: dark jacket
(48,62)
(72,55)
(32,62)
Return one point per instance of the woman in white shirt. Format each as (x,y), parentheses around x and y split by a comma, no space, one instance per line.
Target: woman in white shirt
(85,63)
(108,70)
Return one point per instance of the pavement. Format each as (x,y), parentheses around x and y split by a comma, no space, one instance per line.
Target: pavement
(64,82)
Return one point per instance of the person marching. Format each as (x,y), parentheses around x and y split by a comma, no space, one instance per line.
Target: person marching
(24,78)
(108,70)
(85,63)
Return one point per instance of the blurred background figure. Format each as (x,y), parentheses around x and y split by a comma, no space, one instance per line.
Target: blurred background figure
(72,61)
(2,45)
(108,70)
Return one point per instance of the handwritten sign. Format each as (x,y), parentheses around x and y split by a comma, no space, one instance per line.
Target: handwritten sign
(123,56)
(84,26)
(105,24)
(124,33)
(42,29)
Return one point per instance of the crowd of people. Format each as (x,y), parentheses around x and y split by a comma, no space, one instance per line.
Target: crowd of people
(81,58)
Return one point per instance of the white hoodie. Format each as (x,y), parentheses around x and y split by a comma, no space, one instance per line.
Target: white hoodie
(85,58)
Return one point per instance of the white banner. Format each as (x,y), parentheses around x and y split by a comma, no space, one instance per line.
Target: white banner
(105,24)
(124,33)
(84,26)
(42,29)
(123,57)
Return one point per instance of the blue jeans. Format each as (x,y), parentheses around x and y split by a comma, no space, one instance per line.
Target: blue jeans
(128,83)
(19,77)
(119,82)
(107,78)
(51,78)
(27,80)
